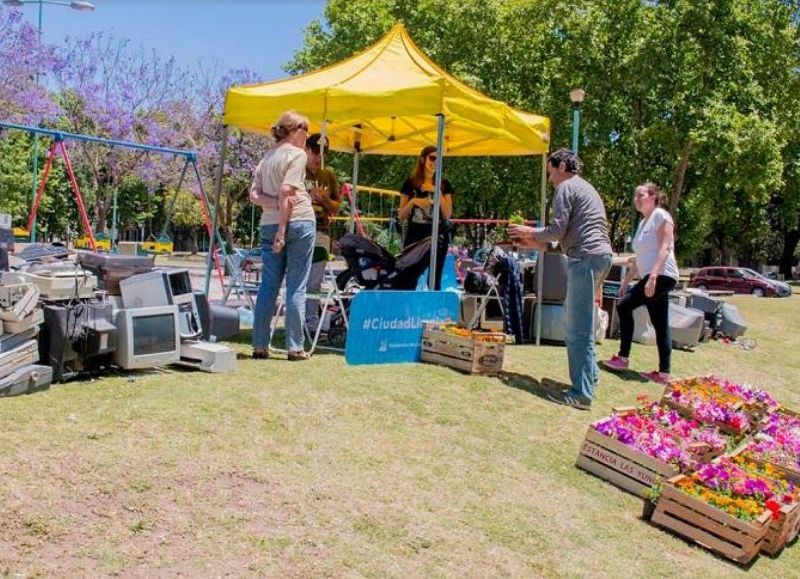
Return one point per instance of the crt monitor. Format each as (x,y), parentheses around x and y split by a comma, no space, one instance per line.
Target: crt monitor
(148,337)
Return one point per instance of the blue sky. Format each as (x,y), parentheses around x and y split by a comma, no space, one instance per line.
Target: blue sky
(261,35)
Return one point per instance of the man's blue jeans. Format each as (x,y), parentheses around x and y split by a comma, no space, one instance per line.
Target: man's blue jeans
(584,276)
(295,261)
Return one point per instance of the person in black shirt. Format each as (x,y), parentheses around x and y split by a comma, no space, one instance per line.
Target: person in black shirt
(416,204)
(416,198)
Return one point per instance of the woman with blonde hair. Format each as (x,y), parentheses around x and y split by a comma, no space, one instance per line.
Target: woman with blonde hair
(287,230)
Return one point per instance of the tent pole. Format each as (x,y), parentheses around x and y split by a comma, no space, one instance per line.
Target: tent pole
(217,195)
(540,261)
(354,197)
(437,202)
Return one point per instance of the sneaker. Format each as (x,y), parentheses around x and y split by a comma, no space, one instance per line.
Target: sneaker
(298,356)
(615,363)
(569,400)
(656,376)
(260,354)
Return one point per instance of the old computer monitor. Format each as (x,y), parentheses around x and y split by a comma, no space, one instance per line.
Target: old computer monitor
(145,290)
(147,337)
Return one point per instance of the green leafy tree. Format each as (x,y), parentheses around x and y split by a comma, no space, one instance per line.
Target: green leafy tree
(188,215)
(15,176)
(699,97)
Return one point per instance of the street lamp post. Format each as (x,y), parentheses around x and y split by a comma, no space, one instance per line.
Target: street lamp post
(576,96)
(80,7)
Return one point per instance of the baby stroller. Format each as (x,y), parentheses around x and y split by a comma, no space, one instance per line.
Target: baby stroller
(373,267)
(370,266)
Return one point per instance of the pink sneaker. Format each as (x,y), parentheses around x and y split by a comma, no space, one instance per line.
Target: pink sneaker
(615,363)
(656,376)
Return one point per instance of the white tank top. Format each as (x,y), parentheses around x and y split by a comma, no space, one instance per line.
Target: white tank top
(646,245)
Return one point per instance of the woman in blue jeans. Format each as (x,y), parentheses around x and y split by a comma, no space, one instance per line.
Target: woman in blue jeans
(287,233)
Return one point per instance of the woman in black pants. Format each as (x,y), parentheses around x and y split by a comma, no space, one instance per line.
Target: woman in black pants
(655,264)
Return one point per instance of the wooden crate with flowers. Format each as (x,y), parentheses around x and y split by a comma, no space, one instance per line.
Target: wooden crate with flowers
(704,400)
(778,443)
(724,507)
(785,523)
(636,447)
(757,402)
(473,351)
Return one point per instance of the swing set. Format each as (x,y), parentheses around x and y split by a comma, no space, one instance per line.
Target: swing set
(59,145)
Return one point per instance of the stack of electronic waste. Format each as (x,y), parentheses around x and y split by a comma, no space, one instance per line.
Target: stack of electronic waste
(78,334)
(112,269)
(694,317)
(102,311)
(20,318)
(161,320)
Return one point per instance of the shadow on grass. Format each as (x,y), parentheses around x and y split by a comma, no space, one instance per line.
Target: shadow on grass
(540,388)
(245,337)
(626,375)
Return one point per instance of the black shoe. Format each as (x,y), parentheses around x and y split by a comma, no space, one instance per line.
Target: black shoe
(569,400)
(260,354)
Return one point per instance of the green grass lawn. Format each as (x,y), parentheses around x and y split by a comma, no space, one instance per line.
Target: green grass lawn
(318,468)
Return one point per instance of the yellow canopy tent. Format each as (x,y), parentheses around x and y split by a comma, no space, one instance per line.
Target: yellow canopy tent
(391,99)
(387,98)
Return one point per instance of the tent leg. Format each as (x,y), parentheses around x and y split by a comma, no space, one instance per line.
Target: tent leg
(354,195)
(218,194)
(437,202)
(540,261)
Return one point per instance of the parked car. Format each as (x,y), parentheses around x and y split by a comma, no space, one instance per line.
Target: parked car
(740,280)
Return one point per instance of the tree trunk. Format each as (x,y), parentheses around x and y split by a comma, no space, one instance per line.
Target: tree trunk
(679,178)
(101,212)
(790,241)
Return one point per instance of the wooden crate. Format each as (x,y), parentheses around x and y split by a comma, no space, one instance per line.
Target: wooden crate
(621,465)
(467,354)
(782,530)
(666,400)
(789,472)
(708,526)
(786,526)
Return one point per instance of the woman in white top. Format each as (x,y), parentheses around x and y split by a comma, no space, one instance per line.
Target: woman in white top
(287,233)
(657,269)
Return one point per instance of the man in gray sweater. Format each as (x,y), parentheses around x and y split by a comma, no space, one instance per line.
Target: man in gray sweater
(580,228)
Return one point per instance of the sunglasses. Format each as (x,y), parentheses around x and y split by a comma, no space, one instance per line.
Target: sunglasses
(432,157)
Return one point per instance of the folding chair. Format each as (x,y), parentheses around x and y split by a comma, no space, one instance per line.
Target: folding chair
(328,298)
(480,308)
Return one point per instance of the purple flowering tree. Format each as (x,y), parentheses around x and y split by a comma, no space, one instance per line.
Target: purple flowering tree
(25,65)
(244,150)
(109,90)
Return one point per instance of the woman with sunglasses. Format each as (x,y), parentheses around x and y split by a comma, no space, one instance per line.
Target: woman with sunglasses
(416,203)
(287,233)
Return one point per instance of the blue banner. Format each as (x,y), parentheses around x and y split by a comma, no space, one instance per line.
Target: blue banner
(386,326)
(449,276)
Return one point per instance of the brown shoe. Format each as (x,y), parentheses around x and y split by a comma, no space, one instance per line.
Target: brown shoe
(298,355)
